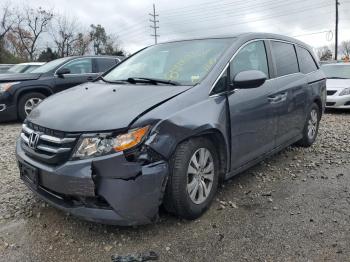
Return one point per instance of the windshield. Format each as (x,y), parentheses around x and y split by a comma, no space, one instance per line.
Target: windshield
(17,68)
(186,62)
(50,65)
(337,71)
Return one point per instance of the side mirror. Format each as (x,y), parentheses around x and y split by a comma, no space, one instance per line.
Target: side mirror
(249,79)
(63,71)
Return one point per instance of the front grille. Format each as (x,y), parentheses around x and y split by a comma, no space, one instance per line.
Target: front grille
(330,103)
(331,92)
(47,145)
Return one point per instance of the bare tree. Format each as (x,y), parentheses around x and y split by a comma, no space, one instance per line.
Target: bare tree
(6,21)
(82,44)
(345,48)
(324,53)
(64,33)
(30,25)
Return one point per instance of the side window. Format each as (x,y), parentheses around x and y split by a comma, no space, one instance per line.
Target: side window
(103,64)
(80,66)
(251,57)
(306,62)
(285,58)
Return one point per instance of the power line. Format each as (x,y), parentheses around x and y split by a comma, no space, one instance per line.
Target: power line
(154,25)
(295,11)
(239,12)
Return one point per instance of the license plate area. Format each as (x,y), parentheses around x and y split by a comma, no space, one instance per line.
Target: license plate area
(29,174)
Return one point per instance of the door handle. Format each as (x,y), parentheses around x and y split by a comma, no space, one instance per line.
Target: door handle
(278,98)
(90,78)
(275,99)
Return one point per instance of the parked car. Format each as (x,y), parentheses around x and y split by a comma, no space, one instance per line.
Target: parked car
(24,67)
(20,93)
(338,85)
(4,68)
(168,124)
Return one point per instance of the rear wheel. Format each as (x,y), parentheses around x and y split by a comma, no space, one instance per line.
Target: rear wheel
(311,127)
(193,178)
(27,103)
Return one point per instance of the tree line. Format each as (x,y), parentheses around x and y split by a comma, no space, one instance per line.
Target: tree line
(25,30)
(325,53)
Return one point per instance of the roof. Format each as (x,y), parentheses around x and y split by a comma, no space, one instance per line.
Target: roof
(250,35)
(32,63)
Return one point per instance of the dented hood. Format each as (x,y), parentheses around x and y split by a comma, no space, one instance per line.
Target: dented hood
(100,107)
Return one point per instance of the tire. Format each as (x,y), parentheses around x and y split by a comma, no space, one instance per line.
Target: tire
(177,198)
(312,121)
(24,100)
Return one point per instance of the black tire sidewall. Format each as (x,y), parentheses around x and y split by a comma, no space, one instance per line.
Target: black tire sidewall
(23,99)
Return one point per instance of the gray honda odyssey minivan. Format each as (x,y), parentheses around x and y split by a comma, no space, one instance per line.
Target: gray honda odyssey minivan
(168,124)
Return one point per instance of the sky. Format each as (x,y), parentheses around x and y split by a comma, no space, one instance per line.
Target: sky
(311,21)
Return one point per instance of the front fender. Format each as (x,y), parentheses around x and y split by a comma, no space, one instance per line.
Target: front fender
(201,118)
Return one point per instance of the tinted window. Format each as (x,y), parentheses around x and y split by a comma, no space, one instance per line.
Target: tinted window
(103,64)
(250,57)
(306,62)
(80,66)
(221,84)
(285,58)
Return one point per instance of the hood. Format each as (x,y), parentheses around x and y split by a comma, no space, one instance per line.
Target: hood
(18,77)
(338,83)
(99,106)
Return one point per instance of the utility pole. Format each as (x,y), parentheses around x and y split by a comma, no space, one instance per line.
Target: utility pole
(154,22)
(336,29)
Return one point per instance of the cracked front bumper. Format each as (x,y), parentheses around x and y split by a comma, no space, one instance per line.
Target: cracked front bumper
(131,192)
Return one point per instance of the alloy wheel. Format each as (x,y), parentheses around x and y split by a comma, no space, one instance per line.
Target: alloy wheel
(31,104)
(312,124)
(200,175)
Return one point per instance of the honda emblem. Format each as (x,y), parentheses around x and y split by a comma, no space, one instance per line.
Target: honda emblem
(33,140)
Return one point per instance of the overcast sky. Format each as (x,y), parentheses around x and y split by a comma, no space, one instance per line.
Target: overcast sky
(129,19)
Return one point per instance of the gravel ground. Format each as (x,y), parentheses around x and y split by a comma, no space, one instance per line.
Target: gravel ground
(291,207)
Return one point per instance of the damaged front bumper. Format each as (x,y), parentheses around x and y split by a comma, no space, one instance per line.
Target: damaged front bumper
(108,189)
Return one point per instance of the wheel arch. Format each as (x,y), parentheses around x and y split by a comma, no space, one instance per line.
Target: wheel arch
(37,89)
(318,102)
(212,134)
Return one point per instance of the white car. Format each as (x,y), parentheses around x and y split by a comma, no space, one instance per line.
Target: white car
(24,68)
(338,85)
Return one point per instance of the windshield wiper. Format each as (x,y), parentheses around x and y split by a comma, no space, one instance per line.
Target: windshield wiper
(336,77)
(154,81)
(110,82)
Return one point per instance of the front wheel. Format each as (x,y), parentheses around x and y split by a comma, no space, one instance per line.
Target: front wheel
(27,103)
(193,179)
(311,127)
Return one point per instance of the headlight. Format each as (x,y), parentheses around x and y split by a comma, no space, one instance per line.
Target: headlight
(6,86)
(345,92)
(103,144)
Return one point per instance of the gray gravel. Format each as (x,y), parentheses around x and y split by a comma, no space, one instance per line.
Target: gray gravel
(291,207)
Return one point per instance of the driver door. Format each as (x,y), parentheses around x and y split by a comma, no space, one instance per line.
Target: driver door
(252,111)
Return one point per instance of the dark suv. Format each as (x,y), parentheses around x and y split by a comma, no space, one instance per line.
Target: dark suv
(20,93)
(168,124)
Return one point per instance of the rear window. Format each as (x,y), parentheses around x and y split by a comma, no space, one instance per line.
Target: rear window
(285,58)
(306,62)
(103,64)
